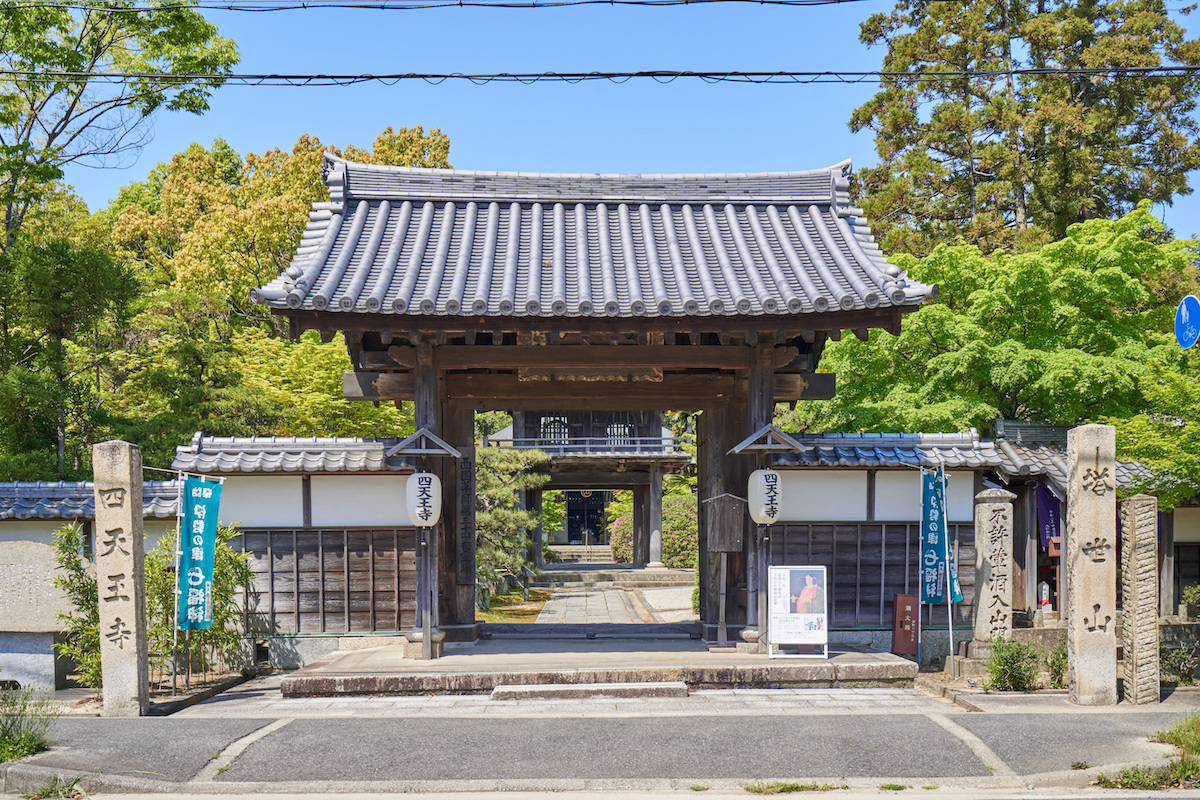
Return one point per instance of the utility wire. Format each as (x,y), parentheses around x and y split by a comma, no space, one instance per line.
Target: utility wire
(661,76)
(262,6)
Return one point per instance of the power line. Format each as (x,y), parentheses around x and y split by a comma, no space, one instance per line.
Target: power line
(263,6)
(661,76)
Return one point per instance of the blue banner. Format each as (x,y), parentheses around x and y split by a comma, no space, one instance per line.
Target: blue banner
(936,557)
(198,546)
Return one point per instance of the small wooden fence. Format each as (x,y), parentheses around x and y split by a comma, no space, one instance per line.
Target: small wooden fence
(868,562)
(336,580)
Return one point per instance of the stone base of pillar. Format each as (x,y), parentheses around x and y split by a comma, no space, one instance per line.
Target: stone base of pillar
(435,634)
(749,634)
(656,565)
(414,650)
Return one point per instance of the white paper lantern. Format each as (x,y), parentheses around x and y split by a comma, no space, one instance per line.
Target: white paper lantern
(763,495)
(424,497)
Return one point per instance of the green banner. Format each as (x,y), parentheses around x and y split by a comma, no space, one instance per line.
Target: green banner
(198,547)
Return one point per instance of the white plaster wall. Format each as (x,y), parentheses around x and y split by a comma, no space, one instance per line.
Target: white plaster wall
(266,501)
(1187,525)
(898,495)
(155,529)
(811,494)
(31,530)
(348,500)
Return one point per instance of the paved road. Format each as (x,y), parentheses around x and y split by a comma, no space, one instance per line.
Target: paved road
(253,740)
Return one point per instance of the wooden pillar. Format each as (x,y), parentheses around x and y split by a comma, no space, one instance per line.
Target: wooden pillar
(460,490)
(723,540)
(426,411)
(641,526)
(535,505)
(1167,600)
(761,407)
(654,518)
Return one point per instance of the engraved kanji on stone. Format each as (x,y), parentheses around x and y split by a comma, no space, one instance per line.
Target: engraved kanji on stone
(115,539)
(112,498)
(116,588)
(118,632)
(1097,549)
(1093,622)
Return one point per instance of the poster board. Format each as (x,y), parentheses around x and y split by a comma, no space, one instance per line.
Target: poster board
(798,611)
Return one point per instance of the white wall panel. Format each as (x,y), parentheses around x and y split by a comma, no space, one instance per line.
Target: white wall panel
(349,500)
(1187,525)
(271,501)
(898,495)
(811,494)
(30,530)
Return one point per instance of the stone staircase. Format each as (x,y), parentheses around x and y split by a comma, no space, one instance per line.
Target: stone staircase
(583,554)
(557,576)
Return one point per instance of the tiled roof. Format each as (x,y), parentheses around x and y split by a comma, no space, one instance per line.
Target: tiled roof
(239,454)
(1029,458)
(403,240)
(870,450)
(76,500)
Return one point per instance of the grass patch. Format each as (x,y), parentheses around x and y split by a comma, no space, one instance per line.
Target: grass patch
(697,787)
(1183,772)
(57,787)
(786,787)
(892,787)
(512,607)
(23,724)
(930,787)
(1012,667)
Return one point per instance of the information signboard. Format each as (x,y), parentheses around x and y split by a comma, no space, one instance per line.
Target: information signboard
(798,612)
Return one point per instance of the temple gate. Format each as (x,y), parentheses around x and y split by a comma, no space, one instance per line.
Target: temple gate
(465,291)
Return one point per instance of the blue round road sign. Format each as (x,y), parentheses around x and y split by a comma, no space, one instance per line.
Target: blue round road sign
(1187,321)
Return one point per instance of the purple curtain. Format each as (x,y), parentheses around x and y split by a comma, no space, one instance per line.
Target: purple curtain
(1049,514)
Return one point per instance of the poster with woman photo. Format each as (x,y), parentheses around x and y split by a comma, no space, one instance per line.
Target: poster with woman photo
(797,606)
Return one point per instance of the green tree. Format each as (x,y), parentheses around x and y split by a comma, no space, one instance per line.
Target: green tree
(81,640)
(1060,334)
(1003,161)
(49,122)
(55,301)
(501,526)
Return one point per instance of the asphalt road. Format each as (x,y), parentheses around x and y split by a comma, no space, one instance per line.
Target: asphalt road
(920,747)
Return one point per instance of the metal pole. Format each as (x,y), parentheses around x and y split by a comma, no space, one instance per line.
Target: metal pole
(175,617)
(949,579)
(427,612)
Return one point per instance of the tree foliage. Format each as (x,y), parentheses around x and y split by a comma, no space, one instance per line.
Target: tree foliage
(1060,334)
(501,525)
(1002,161)
(48,123)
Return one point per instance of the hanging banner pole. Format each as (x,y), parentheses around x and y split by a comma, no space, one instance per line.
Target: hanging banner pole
(949,579)
(175,613)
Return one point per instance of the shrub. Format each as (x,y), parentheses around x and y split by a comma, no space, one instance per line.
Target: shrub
(680,536)
(1177,665)
(81,640)
(1056,665)
(1012,667)
(23,724)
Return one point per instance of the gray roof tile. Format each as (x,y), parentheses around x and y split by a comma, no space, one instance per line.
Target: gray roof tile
(288,454)
(400,240)
(76,500)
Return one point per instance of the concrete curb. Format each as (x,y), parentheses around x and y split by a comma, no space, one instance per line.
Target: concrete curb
(309,682)
(169,707)
(586,690)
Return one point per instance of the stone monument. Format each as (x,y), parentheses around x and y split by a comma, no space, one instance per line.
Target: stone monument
(1091,555)
(1139,598)
(29,623)
(993,568)
(120,579)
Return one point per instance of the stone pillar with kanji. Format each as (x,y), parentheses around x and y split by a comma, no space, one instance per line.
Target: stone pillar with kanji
(1139,598)
(993,568)
(1091,554)
(120,579)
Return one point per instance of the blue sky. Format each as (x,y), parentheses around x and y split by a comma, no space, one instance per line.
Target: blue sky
(640,126)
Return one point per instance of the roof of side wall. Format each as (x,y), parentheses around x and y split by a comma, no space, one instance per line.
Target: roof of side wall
(409,241)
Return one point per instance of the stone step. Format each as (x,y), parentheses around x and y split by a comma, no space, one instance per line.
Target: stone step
(634,578)
(574,691)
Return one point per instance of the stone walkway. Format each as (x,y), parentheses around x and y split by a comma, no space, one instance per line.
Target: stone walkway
(599,603)
(261,698)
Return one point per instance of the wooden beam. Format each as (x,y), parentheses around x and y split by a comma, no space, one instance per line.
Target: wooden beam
(377,386)
(492,392)
(791,324)
(454,357)
(804,386)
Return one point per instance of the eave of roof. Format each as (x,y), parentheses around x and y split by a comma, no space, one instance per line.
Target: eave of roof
(226,455)
(68,500)
(421,242)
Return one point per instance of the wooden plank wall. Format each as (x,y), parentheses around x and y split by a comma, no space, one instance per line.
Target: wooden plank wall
(340,580)
(868,562)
